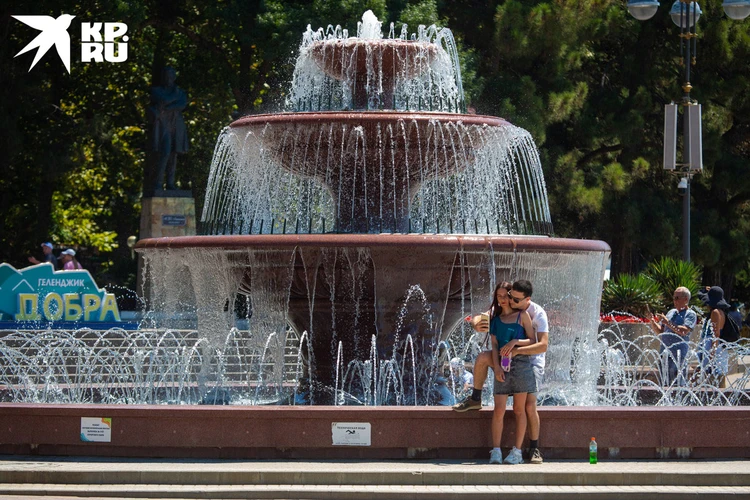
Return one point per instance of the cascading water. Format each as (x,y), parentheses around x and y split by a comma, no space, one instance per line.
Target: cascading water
(372,184)
(344,241)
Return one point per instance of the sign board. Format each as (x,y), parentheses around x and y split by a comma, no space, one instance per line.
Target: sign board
(41,294)
(350,433)
(96,430)
(173,220)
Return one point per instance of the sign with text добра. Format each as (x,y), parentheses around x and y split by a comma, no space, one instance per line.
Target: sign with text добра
(39,293)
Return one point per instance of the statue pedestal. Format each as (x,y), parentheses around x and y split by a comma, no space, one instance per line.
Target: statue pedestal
(168,213)
(165,213)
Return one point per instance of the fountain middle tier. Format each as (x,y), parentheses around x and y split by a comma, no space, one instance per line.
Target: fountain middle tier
(371,172)
(349,289)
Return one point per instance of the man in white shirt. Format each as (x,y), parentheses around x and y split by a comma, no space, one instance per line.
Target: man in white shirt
(674,331)
(520,298)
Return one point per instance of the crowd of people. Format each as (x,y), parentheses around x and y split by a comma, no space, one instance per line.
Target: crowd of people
(66,261)
(720,328)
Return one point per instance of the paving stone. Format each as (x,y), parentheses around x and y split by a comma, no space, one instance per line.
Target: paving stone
(113,478)
(375,492)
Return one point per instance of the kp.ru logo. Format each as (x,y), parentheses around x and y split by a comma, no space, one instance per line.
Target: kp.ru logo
(94,46)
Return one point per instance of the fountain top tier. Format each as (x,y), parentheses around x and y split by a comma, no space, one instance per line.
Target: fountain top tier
(376,143)
(336,72)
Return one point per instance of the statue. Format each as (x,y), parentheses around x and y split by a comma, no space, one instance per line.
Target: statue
(168,135)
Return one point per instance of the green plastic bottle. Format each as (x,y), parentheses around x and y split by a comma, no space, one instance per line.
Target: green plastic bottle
(592,451)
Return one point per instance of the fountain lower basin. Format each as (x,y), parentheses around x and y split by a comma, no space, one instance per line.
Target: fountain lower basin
(386,298)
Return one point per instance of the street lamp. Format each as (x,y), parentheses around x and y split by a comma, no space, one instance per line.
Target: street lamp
(685,14)
(131,244)
(643,10)
(737,9)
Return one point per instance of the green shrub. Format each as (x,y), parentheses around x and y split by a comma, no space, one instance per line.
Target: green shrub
(631,294)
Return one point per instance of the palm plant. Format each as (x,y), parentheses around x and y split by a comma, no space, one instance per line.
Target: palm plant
(669,273)
(631,294)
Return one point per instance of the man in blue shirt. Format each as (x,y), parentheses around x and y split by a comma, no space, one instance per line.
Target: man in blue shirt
(48,256)
(674,330)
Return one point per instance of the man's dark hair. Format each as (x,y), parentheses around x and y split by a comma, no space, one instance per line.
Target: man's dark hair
(523,286)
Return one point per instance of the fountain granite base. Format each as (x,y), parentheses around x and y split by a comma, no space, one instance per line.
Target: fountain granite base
(280,432)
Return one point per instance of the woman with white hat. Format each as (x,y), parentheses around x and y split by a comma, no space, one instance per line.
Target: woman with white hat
(69,260)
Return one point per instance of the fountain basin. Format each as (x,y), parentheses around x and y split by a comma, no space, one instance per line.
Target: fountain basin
(343,58)
(404,241)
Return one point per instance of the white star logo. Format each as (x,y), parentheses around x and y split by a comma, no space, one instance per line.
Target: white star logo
(53,32)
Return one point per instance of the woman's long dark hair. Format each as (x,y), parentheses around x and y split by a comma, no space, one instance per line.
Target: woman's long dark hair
(495,309)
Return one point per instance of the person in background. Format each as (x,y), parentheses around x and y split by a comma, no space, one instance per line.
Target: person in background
(717,360)
(48,255)
(674,331)
(703,349)
(462,380)
(69,260)
(734,313)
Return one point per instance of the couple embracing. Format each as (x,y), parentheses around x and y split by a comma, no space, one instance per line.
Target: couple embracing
(519,330)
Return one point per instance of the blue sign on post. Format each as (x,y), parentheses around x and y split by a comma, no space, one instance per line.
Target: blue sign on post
(39,294)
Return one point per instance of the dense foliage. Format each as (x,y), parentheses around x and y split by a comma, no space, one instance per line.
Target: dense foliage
(585,78)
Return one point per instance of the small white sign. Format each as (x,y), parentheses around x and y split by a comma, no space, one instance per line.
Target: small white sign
(96,430)
(350,433)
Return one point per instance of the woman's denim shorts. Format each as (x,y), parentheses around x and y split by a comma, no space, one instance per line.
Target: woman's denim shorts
(519,379)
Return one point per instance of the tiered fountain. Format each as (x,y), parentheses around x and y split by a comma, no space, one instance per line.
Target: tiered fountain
(377,184)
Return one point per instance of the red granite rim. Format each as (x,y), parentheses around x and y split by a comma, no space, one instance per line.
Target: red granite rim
(436,241)
(388,42)
(321,411)
(364,117)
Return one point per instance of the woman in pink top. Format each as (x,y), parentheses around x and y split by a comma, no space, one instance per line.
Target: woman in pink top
(69,260)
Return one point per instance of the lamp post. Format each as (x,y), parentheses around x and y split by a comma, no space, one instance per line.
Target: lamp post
(685,14)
